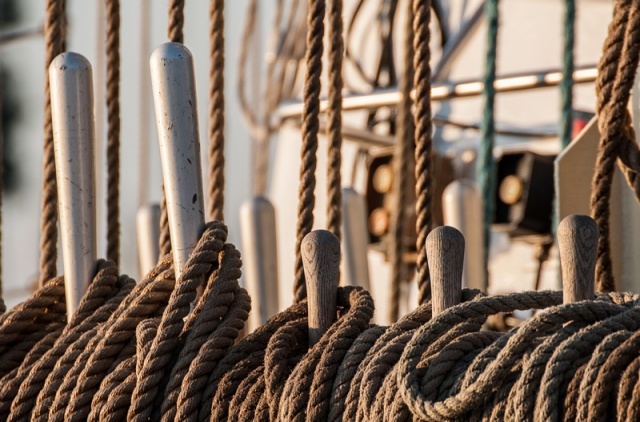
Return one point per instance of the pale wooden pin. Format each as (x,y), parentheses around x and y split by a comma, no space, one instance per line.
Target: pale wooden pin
(445,254)
(321,259)
(174,96)
(73,140)
(578,245)
(260,258)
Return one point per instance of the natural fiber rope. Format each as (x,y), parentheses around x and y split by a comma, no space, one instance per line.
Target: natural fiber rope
(423,125)
(401,160)
(310,125)
(176,21)
(216,110)
(54,40)
(486,166)
(113,133)
(616,74)
(334,126)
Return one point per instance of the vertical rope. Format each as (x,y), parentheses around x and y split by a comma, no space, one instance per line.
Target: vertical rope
(566,85)
(176,21)
(423,125)
(216,110)
(616,73)
(311,111)
(53,38)
(175,34)
(401,158)
(113,131)
(334,128)
(486,166)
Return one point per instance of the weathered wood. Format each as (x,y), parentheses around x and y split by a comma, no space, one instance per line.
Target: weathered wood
(260,258)
(73,139)
(321,259)
(578,244)
(445,254)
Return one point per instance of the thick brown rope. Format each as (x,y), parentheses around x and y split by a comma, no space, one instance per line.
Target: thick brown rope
(216,110)
(176,21)
(424,184)
(310,124)
(401,160)
(54,41)
(113,132)
(616,74)
(334,127)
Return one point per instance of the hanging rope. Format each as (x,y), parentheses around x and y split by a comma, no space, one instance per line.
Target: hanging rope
(566,85)
(401,158)
(113,132)
(334,127)
(423,125)
(176,21)
(54,40)
(310,123)
(486,166)
(616,74)
(216,111)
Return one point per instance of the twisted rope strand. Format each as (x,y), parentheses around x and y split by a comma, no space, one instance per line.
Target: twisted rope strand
(423,125)
(310,124)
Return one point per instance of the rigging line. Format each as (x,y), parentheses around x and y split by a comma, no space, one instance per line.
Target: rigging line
(54,44)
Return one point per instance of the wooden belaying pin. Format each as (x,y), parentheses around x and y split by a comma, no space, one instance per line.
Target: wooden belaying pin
(148,234)
(73,136)
(321,260)
(355,238)
(578,246)
(445,254)
(260,258)
(174,97)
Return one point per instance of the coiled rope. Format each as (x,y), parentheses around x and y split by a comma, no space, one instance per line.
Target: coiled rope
(616,73)
(152,351)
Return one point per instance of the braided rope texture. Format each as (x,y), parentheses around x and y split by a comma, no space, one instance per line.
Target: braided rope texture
(423,126)
(310,127)
(155,351)
(54,45)
(113,133)
(216,111)
(616,74)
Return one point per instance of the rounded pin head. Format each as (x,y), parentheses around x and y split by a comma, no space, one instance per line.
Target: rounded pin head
(445,255)
(578,247)
(69,61)
(170,52)
(321,260)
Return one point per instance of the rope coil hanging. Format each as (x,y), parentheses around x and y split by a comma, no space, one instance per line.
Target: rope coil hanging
(157,350)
